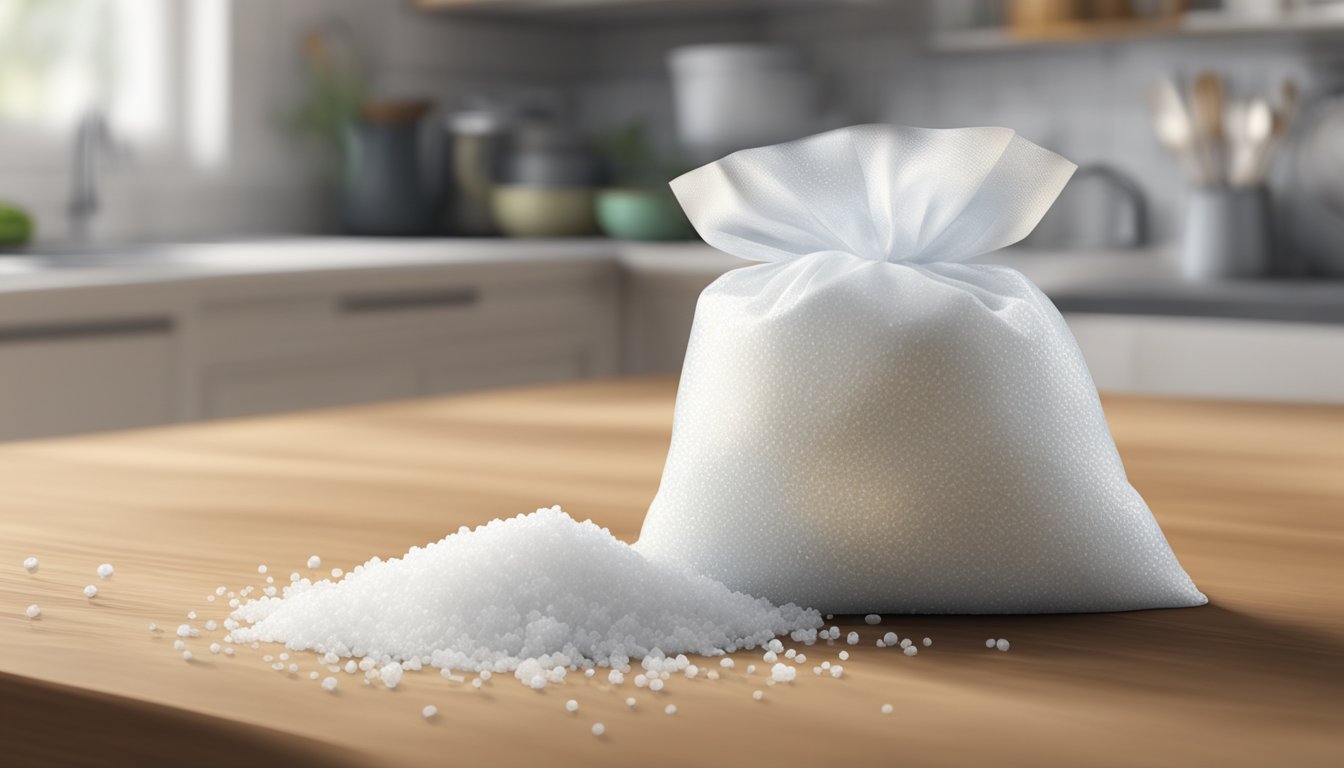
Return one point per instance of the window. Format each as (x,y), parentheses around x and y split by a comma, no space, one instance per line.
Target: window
(158,70)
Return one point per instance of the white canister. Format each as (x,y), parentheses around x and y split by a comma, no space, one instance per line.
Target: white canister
(731,96)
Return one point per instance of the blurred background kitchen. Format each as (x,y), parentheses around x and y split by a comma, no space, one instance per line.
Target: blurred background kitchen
(221,208)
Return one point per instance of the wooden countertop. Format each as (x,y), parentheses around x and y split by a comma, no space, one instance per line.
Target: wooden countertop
(1250,496)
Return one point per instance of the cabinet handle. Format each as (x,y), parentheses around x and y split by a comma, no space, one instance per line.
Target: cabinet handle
(357,303)
(85,329)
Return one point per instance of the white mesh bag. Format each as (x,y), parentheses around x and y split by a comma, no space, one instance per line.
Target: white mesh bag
(867,424)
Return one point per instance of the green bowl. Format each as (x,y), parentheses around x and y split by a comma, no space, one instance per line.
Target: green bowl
(642,214)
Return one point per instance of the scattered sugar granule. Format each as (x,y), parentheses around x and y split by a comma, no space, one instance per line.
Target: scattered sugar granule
(800,659)
(727,663)
(329,684)
(538,682)
(429,711)
(630,702)
(844,655)
(816,671)
(589,672)
(105,571)
(887,709)
(476,683)
(90,591)
(880,644)
(641,681)
(214,647)
(314,561)
(890,638)
(789,654)
(783,673)
(852,638)
(33,611)
(391,675)
(928,642)
(751,669)
(670,709)
(351,667)
(770,657)
(220,590)
(284,656)
(989,643)
(691,671)
(1002,645)
(825,665)
(186,656)
(209,598)
(293,668)
(30,564)
(261,568)
(330,658)
(455,608)
(837,671)
(228,651)
(615,677)
(278,666)
(656,684)
(486,674)
(178,645)
(758,695)
(337,573)
(712,674)
(906,642)
(313,675)
(191,615)
(911,650)
(571,706)
(599,729)
(872,618)
(775,645)
(293,577)
(153,627)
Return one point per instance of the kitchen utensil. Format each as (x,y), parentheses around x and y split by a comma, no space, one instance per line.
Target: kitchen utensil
(734,96)
(528,210)
(385,190)
(475,144)
(1227,233)
(542,152)
(1174,128)
(642,214)
(1261,129)
(1313,209)
(1207,109)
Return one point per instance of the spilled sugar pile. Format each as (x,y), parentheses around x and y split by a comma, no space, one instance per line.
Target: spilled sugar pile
(539,590)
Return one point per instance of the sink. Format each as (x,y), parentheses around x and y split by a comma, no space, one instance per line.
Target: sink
(44,257)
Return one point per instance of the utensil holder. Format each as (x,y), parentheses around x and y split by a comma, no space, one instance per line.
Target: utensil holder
(1227,233)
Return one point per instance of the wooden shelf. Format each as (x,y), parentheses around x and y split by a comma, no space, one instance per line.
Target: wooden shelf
(1190,26)
(585,11)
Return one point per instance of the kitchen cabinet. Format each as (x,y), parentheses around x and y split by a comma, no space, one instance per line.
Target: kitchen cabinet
(1213,357)
(83,375)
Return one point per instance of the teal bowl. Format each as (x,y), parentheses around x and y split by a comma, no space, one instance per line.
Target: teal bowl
(642,214)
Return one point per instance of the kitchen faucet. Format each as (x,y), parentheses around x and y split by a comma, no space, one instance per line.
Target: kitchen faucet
(92,139)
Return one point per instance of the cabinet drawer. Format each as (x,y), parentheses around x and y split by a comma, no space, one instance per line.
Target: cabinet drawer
(376,316)
(85,376)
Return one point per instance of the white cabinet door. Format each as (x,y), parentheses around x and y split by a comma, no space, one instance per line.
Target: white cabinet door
(509,363)
(303,386)
(64,377)
(1213,357)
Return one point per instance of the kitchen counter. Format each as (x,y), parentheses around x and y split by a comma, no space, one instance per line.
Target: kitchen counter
(1249,496)
(1117,282)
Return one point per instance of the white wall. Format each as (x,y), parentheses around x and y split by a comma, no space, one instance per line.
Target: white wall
(1087,102)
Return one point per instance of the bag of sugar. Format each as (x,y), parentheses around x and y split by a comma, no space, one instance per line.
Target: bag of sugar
(866,423)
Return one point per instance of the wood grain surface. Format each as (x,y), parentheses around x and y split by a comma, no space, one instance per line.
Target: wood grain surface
(1250,496)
